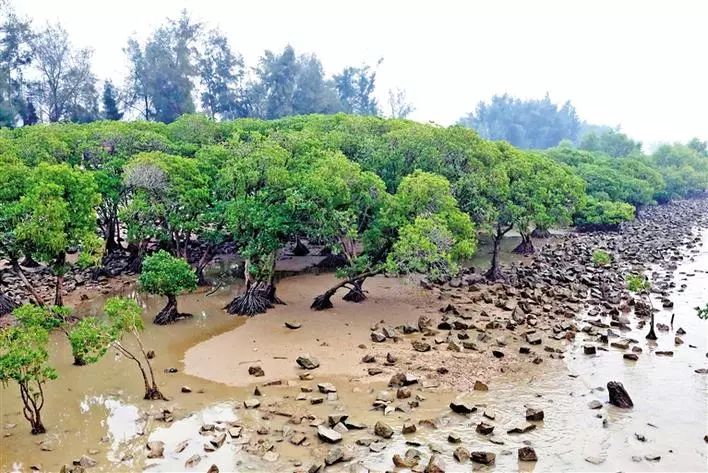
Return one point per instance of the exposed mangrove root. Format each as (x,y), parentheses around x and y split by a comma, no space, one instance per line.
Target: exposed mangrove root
(525,247)
(541,233)
(169,313)
(300,249)
(494,274)
(356,293)
(256,300)
(153,394)
(324,300)
(332,261)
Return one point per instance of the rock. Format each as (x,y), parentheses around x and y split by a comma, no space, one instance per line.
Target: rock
(630,356)
(369,358)
(534,414)
(271,456)
(453,438)
(435,465)
(213,469)
(186,389)
(251,403)
(522,429)
(527,454)
(328,435)
(664,353)
(404,462)
(326,388)
(297,438)
(618,395)
(193,461)
(489,414)
(594,460)
(218,441)
(308,362)
(484,428)
(621,344)
(461,454)
(391,359)
(485,458)
(652,457)
(595,404)
(374,371)
(86,461)
(383,430)
(589,349)
(408,428)
(156,449)
(462,407)
(293,325)
(256,371)
(533,338)
(498,354)
(480,386)
(334,455)
(640,437)
(378,337)
(524,350)
(421,346)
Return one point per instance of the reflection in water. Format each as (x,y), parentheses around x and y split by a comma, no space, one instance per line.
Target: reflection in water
(122,422)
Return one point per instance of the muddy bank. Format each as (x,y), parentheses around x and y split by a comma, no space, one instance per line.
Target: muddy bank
(442,340)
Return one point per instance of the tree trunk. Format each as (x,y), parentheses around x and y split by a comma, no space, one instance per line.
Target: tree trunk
(323,301)
(7,305)
(18,270)
(59,290)
(135,261)
(169,313)
(152,393)
(29,262)
(300,248)
(494,273)
(78,361)
(205,259)
(356,293)
(111,242)
(32,407)
(526,246)
(652,334)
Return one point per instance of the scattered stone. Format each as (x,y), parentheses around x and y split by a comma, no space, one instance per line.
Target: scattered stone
(595,404)
(156,449)
(595,460)
(453,438)
(383,430)
(404,462)
(421,346)
(480,386)
(652,457)
(630,356)
(334,455)
(293,325)
(589,349)
(527,454)
(435,465)
(251,403)
(484,428)
(522,429)
(618,395)
(193,461)
(378,337)
(256,371)
(462,407)
(186,389)
(408,428)
(484,458)
(328,435)
(461,454)
(534,414)
(308,362)
(498,354)
(326,388)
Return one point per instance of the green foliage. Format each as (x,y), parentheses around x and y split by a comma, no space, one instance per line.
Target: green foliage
(601,213)
(48,318)
(90,339)
(601,258)
(702,312)
(24,357)
(637,282)
(165,275)
(612,143)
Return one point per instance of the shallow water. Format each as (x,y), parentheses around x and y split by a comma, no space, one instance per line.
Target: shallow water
(100,407)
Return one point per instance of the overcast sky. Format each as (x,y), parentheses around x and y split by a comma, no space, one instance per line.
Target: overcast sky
(639,64)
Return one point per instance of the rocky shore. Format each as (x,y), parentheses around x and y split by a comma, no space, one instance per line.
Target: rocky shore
(554,299)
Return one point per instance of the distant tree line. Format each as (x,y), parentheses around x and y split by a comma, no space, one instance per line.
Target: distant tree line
(182,67)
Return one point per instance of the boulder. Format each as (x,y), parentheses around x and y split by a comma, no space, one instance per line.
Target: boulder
(308,362)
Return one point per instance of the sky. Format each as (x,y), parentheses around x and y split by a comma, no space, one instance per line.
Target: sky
(637,64)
